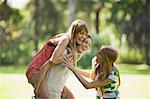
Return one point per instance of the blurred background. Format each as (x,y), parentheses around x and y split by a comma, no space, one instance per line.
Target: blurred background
(25,25)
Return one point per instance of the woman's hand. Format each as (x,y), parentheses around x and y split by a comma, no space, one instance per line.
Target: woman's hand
(69,52)
(67,62)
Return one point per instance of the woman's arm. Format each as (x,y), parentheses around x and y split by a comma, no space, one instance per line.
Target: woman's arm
(85,83)
(59,50)
(46,66)
(83,72)
(89,85)
(56,58)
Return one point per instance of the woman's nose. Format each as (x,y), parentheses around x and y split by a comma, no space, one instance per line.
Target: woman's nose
(83,37)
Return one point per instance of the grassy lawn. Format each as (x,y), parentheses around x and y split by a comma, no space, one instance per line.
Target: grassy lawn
(135,83)
(141,69)
(13,69)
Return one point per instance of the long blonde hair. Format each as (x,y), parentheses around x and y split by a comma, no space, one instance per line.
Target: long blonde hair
(76,27)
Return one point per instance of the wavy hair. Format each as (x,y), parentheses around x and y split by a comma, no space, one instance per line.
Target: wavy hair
(76,27)
(108,56)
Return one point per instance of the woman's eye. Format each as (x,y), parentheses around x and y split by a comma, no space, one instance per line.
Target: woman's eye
(81,32)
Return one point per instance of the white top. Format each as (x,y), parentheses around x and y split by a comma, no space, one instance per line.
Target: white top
(57,77)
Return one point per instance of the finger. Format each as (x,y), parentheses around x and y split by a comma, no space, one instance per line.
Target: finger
(64,60)
(69,55)
(97,64)
(68,59)
(68,50)
(65,57)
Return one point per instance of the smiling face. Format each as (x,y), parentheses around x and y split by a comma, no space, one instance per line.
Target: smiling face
(80,36)
(78,31)
(85,45)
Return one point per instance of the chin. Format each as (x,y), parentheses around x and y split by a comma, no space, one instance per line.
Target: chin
(79,42)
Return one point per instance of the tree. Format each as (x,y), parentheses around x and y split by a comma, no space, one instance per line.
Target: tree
(17,35)
(8,37)
(37,25)
(4,10)
(72,10)
(131,17)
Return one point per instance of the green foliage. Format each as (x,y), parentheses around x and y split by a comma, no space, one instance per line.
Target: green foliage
(130,55)
(131,18)
(17,31)
(117,17)
(141,69)
(98,41)
(123,68)
(15,69)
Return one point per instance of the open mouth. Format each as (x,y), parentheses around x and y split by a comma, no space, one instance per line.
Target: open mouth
(79,40)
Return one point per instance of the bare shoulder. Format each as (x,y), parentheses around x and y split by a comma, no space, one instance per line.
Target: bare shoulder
(64,40)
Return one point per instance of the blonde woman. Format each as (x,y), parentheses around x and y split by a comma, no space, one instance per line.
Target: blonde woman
(105,74)
(51,54)
(58,74)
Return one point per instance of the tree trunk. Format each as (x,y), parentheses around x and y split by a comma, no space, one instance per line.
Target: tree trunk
(147,53)
(4,13)
(97,21)
(72,10)
(98,7)
(36,29)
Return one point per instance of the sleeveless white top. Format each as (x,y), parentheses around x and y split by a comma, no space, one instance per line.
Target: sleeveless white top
(57,77)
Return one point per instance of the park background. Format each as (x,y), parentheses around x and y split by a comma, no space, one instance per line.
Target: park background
(25,25)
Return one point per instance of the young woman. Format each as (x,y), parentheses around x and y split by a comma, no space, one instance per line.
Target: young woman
(59,73)
(105,74)
(51,54)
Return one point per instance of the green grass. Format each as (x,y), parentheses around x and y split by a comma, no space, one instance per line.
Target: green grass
(20,69)
(134,69)
(124,69)
(15,86)
(135,80)
(140,69)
